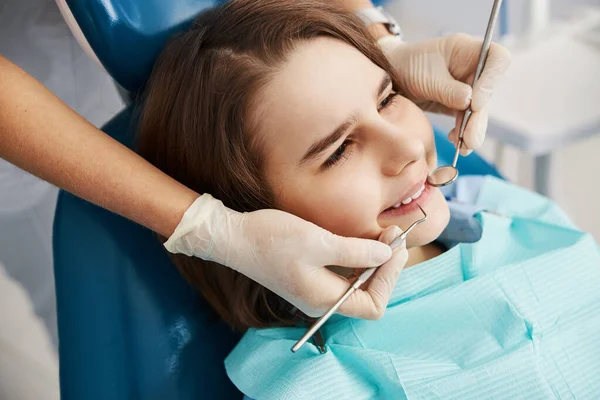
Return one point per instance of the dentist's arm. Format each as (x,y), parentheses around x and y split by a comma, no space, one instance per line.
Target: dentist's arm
(286,254)
(377,30)
(42,135)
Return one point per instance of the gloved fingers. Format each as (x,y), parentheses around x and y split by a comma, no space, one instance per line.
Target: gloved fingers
(441,87)
(371,301)
(389,234)
(357,253)
(313,288)
(434,107)
(474,134)
(425,77)
(314,291)
(453,136)
(451,93)
(476,129)
(496,65)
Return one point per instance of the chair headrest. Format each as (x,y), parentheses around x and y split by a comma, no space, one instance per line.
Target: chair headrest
(128,35)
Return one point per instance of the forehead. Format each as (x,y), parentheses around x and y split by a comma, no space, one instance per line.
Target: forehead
(321,84)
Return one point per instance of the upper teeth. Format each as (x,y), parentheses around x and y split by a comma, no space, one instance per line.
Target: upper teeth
(411,198)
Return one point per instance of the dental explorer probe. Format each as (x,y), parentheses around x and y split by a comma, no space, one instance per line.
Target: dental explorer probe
(361,279)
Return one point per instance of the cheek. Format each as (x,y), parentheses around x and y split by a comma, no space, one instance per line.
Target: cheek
(431,151)
(344,203)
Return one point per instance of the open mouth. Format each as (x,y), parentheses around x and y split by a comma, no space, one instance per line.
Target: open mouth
(409,199)
(409,204)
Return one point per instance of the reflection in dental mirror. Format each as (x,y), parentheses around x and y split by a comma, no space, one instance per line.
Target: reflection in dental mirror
(443,176)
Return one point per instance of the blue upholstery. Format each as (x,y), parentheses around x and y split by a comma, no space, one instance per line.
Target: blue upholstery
(127,35)
(129,326)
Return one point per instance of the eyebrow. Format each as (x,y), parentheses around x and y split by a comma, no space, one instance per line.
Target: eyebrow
(317,148)
(385,82)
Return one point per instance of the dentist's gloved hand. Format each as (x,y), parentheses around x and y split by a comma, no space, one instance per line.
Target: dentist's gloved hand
(288,256)
(437,74)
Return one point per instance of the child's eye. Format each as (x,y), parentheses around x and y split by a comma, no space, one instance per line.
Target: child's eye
(387,101)
(340,154)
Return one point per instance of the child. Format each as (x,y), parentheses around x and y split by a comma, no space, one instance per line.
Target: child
(303,113)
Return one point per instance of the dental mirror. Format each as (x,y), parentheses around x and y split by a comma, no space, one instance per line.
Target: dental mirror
(443,176)
(447,174)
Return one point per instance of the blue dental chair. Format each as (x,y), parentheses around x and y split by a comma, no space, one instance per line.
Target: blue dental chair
(129,326)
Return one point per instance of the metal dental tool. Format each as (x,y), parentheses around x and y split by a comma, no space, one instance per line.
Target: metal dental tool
(447,174)
(361,279)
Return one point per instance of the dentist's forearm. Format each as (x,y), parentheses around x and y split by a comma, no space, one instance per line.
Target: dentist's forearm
(377,30)
(353,5)
(43,136)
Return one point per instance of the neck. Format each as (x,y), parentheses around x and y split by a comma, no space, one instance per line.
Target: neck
(420,254)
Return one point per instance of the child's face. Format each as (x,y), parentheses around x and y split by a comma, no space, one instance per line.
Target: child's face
(347,182)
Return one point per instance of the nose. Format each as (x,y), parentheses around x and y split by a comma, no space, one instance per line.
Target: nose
(398,148)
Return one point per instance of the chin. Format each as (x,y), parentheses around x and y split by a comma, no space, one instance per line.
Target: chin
(438,215)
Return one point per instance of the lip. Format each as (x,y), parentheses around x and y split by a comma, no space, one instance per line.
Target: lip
(410,207)
(409,192)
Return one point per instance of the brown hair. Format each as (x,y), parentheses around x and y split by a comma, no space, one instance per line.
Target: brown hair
(195,127)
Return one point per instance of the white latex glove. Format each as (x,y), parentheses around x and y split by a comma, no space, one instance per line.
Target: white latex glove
(437,74)
(288,256)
